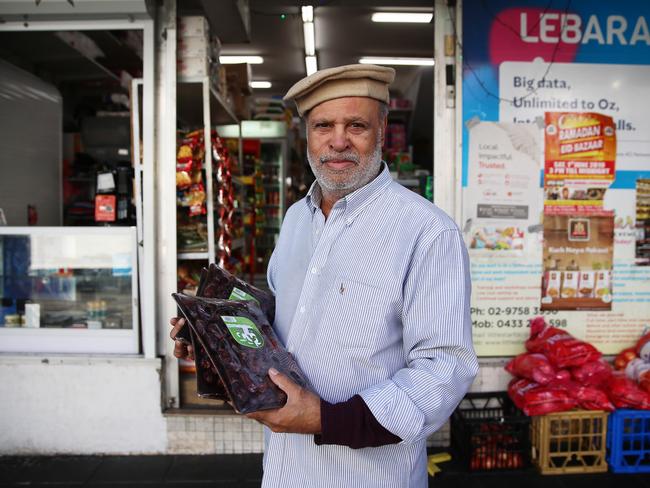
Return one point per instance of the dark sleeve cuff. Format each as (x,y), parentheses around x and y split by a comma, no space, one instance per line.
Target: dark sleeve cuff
(352,424)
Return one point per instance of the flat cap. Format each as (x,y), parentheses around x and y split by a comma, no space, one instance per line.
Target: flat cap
(352,80)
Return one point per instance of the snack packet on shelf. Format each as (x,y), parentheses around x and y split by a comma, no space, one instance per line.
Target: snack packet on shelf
(242,346)
(560,347)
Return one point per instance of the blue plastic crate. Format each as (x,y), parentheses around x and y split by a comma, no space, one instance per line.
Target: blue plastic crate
(628,441)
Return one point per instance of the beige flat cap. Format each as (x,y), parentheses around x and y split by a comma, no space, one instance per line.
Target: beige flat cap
(352,80)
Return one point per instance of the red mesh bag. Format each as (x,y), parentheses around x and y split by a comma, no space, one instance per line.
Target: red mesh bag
(560,347)
(624,393)
(535,399)
(533,366)
(588,397)
(593,373)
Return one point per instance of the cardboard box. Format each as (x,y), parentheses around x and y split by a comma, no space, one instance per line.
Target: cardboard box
(193,26)
(239,78)
(191,67)
(192,47)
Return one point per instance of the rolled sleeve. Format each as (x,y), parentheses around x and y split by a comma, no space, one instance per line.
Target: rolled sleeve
(437,339)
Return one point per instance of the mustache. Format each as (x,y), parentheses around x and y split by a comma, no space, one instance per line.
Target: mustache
(345,156)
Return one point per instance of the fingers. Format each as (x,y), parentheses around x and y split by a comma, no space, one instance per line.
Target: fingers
(190,353)
(177,324)
(282,381)
(180,350)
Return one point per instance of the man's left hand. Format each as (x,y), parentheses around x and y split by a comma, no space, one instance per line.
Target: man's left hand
(301,413)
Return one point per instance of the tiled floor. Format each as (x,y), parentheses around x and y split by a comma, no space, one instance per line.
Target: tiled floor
(244,471)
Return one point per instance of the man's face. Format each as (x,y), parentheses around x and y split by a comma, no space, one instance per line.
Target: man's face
(344,140)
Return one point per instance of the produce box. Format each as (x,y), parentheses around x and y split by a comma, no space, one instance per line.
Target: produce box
(628,441)
(570,442)
(489,433)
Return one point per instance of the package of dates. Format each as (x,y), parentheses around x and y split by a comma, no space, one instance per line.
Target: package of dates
(219,283)
(216,282)
(241,346)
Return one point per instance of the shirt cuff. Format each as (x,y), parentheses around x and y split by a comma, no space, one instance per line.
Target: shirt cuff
(352,424)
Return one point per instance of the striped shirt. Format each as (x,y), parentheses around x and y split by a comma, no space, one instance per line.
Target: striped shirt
(372,301)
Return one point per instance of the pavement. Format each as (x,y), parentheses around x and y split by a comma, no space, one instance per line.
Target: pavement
(244,471)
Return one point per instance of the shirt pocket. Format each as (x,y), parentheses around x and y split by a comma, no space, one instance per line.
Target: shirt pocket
(356,314)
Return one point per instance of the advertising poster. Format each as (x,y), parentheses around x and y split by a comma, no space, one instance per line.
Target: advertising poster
(522,60)
(502,198)
(580,154)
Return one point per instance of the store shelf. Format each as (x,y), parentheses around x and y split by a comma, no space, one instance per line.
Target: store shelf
(189,98)
(192,255)
(238,243)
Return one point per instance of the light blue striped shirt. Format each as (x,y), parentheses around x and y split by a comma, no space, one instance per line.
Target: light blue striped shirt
(372,301)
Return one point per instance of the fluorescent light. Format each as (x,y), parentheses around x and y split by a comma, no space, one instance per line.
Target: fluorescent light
(308,13)
(260,84)
(311,64)
(420,18)
(241,59)
(310,41)
(399,61)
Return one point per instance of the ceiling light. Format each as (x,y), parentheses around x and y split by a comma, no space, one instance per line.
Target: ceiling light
(311,65)
(420,18)
(398,61)
(308,13)
(310,41)
(260,84)
(241,59)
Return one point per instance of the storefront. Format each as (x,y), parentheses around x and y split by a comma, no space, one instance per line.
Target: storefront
(84,351)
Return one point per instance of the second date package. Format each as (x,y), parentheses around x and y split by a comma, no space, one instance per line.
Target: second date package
(239,345)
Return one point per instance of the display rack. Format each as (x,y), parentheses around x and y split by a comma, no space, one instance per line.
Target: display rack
(200,105)
(264,184)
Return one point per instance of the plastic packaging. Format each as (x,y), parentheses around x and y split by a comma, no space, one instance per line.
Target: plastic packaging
(533,366)
(560,347)
(624,393)
(593,373)
(536,399)
(242,346)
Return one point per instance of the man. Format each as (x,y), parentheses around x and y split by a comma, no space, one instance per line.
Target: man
(372,298)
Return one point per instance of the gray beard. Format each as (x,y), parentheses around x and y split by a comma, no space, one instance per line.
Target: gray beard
(361,174)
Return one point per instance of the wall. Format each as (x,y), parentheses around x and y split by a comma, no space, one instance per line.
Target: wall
(77,405)
(30,138)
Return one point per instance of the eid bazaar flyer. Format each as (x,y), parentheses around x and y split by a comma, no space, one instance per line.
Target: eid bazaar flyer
(580,154)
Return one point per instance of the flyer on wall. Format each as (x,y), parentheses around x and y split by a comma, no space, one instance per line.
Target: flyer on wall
(503,200)
(580,154)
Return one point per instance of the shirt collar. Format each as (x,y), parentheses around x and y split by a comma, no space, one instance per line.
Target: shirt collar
(356,201)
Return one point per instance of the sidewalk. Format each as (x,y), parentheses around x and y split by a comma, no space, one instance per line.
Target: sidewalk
(244,471)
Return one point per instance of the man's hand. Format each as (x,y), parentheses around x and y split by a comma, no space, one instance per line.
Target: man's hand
(181,350)
(301,413)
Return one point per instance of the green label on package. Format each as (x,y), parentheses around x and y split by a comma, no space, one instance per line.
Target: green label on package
(244,331)
(241,296)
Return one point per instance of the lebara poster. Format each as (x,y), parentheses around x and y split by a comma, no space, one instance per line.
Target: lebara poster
(522,60)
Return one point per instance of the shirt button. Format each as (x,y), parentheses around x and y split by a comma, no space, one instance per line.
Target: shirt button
(314,270)
(302,309)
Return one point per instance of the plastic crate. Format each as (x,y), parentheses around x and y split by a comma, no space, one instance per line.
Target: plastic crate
(489,433)
(570,442)
(628,441)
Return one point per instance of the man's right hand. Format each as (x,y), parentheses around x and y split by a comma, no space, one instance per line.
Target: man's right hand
(181,350)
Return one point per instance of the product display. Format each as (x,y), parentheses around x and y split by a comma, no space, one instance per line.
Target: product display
(242,346)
